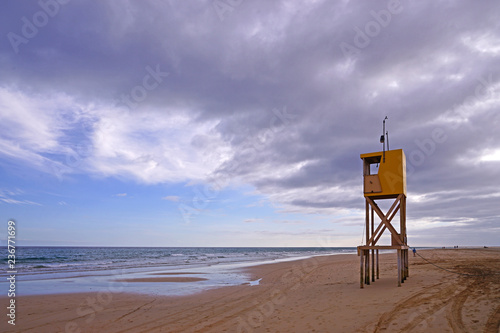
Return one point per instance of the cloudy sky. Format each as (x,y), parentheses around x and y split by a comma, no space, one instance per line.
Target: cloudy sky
(240,123)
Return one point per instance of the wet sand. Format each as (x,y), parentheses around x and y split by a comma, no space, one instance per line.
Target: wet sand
(319,294)
(163,279)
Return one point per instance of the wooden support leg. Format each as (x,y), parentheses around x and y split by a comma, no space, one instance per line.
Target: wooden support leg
(361,270)
(399,268)
(373,251)
(367,267)
(407,263)
(364,266)
(403,264)
(373,265)
(377,266)
(403,254)
(402,259)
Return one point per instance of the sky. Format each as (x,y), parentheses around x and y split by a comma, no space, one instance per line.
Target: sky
(240,123)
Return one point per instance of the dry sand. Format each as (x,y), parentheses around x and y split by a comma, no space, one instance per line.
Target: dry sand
(319,294)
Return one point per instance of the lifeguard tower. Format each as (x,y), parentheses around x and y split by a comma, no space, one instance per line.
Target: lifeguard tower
(388,183)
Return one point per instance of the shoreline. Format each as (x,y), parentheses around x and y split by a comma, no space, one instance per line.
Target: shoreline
(214,276)
(319,294)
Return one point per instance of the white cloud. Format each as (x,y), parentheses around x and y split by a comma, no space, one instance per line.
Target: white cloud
(484,43)
(6,196)
(253,221)
(155,146)
(35,127)
(28,120)
(148,146)
(172,198)
(491,155)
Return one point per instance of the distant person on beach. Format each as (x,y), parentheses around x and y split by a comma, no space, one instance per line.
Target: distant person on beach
(414,252)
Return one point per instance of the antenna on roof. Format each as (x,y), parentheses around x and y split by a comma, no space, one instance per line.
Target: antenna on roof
(382,137)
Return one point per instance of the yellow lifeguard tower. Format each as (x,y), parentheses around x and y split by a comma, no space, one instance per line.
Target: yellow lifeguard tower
(388,183)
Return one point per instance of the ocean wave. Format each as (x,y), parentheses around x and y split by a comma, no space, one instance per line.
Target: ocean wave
(31,260)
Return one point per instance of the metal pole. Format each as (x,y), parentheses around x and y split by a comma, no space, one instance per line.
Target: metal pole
(383,137)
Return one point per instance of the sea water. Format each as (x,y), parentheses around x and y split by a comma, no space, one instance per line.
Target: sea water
(49,270)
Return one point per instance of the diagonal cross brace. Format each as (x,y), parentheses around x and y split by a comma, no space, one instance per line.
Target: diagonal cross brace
(386,222)
(375,234)
(383,229)
(371,240)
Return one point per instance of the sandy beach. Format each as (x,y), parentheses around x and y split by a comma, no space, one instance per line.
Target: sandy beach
(320,294)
